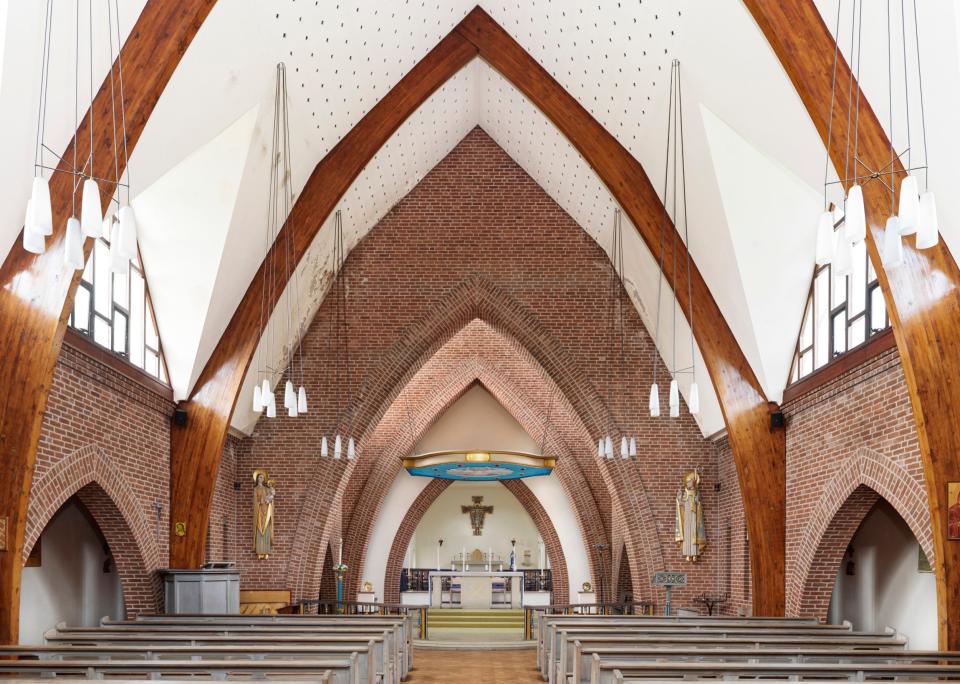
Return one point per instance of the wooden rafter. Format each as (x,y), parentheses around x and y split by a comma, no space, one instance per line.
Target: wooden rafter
(922,295)
(758,450)
(36,291)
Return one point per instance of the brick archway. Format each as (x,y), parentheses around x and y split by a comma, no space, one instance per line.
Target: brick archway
(89,474)
(864,478)
(530,503)
(546,364)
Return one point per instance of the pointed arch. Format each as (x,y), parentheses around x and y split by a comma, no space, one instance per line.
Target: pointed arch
(102,488)
(758,449)
(841,508)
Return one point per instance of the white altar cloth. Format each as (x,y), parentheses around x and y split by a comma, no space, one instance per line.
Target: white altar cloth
(476,588)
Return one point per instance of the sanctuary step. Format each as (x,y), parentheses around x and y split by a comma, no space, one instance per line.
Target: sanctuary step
(455,618)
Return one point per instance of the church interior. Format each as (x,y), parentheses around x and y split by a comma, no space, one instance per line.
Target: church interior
(561,400)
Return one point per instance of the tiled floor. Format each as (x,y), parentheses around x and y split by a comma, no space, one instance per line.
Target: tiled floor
(474,667)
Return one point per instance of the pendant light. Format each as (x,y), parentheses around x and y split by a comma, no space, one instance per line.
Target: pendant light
(339,337)
(915,212)
(323,447)
(277,264)
(825,242)
(617,334)
(88,221)
(675,167)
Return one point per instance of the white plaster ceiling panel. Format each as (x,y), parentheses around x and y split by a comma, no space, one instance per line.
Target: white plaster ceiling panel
(165,226)
(938,24)
(544,153)
(417,146)
(768,210)
(21,64)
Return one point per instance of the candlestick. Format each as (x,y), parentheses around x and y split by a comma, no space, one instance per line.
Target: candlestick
(489,559)
(340,553)
(438,558)
(463,559)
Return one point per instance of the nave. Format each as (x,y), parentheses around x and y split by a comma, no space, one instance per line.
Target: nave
(376,341)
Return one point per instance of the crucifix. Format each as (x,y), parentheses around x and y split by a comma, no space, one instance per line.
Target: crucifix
(477,514)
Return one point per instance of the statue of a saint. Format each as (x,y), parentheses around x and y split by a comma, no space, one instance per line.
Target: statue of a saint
(691,535)
(263,494)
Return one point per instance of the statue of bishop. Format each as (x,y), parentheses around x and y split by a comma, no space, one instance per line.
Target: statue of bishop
(691,536)
(263,495)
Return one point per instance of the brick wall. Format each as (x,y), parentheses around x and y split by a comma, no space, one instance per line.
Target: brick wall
(848,441)
(106,438)
(476,239)
(730,539)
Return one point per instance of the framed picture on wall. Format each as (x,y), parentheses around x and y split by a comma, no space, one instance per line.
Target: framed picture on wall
(953,510)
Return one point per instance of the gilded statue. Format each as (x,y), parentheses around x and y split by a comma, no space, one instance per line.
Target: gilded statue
(691,535)
(263,495)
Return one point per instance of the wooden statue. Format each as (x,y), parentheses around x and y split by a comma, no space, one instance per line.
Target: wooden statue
(691,534)
(263,495)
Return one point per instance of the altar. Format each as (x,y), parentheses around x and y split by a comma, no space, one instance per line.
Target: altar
(476,589)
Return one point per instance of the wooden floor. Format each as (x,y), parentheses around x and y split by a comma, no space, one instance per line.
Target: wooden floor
(489,667)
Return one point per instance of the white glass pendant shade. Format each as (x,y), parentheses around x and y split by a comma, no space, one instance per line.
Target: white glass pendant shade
(271,404)
(856,222)
(289,398)
(825,239)
(600,448)
(337,447)
(323,447)
(608,447)
(351,450)
(33,240)
(301,400)
(128,233)
(909,210)
(91,213)
(674,393)
(633,447)
(292,410)
(843,257)
(928,228)
(624,448)
(693,399)
(42,211)
(265,390)
(892,253)
(257,401)
(654,400)
(119,263)
(73,245)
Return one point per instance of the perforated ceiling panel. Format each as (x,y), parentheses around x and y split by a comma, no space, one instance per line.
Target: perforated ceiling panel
(419,145)
(614,57)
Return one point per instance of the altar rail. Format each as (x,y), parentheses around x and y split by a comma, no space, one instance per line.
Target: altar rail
(418,579)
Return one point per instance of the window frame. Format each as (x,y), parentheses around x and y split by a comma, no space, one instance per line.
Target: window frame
(118,309)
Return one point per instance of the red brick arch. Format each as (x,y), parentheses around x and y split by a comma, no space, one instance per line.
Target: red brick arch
(843,505)
(104,491)
(530,503)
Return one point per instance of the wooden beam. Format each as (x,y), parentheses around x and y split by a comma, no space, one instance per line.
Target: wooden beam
(922,295)
(36,291)
(758,451)
(196,447)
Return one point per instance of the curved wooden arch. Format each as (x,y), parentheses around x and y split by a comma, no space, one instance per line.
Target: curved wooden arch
(36,291)
(922,295)
(758,450)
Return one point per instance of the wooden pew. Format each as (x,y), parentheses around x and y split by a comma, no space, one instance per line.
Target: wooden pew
(589,643)
(402,623)
(583,659)
(614,670)
(549,624)
(343,671)
(554,631)
(367,674)
(390,662)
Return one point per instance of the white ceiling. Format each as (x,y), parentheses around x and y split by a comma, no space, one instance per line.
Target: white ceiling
(754,160)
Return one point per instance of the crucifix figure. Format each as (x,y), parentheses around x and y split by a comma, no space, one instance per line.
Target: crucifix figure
(477,514)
